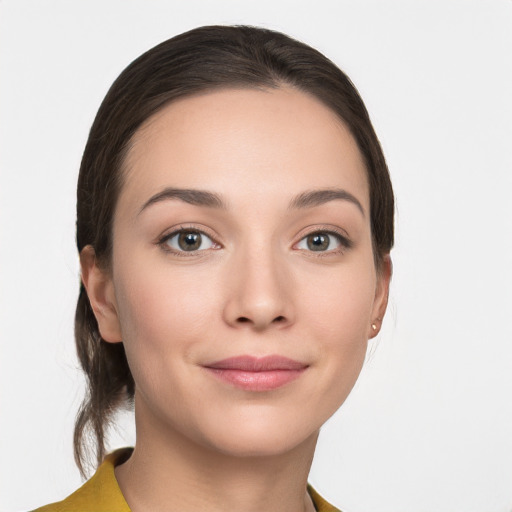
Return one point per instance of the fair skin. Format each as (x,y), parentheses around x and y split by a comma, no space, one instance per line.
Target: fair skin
(258,275)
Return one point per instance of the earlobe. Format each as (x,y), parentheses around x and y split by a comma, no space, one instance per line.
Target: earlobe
(381,296)
(100,290)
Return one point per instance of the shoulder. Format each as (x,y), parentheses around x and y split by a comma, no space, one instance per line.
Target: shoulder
(320,504)
(100,493)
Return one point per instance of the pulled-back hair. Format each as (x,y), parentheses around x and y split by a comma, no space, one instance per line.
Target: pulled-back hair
(203,59)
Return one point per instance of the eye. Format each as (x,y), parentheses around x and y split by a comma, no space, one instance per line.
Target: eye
(187,240)
(323,241)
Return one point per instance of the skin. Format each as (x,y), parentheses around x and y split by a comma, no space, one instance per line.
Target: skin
(254,287)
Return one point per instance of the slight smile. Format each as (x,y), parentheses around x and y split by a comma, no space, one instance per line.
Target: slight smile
(257,374)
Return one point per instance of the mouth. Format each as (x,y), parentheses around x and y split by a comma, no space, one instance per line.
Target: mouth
(257,374)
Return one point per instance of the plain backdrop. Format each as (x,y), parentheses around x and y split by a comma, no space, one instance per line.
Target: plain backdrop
(428,427)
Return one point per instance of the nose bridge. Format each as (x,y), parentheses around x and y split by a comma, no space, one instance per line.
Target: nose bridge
(263,270)
(260,291)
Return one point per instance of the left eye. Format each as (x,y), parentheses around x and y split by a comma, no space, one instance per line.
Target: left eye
(189,241)
(320,242)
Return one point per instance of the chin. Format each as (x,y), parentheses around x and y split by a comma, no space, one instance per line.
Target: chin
(261,446)
(259,438)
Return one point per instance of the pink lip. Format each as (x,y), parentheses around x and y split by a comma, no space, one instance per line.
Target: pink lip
(257,374)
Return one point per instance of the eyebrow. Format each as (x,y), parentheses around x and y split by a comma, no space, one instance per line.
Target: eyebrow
(312,198)
(188,195)
(307,199)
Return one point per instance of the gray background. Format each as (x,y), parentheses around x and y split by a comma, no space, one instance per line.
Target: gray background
(429,425)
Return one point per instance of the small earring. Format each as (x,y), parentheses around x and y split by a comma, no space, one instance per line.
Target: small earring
(374,327)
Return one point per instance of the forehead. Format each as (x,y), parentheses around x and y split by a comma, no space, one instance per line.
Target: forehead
(245,143)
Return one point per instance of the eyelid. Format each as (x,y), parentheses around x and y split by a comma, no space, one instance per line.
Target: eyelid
(342,236)
(171,232)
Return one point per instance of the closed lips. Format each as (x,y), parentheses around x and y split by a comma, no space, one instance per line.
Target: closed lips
(257,364)
(257,374)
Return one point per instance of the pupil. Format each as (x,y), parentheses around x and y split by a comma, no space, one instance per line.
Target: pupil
(189,241)
(318,242)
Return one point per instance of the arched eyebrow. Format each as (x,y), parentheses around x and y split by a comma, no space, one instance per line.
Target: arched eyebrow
(187,195)
(312,198)
(306,199)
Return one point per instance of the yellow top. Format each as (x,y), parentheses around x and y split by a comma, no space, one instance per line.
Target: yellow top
(102,494)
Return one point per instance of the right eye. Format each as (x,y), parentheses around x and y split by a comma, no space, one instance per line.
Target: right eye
(187,240)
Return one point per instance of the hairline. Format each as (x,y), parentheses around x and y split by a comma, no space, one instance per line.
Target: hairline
(273,84)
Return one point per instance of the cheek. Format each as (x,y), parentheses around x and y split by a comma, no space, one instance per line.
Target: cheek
(162,312)
(338,311)
(165,319)
(339,304)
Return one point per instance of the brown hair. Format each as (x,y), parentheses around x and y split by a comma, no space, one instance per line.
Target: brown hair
(199,60)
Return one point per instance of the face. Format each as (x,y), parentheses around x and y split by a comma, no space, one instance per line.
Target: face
(242,283)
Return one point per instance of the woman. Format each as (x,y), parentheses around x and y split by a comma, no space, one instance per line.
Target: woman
(234,224)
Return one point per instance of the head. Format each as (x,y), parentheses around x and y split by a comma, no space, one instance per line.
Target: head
(205,78)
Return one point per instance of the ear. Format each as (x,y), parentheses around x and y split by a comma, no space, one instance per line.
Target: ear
(380,303)
(100,290)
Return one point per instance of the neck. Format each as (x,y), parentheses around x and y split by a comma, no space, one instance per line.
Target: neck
(170,472)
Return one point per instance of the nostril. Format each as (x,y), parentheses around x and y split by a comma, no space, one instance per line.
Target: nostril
(244,319)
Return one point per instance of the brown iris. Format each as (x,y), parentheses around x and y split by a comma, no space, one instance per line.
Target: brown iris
(189,240)
(318,242)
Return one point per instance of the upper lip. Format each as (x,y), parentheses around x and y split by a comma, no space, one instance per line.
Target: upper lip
(257,364)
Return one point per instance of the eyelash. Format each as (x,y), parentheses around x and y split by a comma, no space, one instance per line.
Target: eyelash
(162,242)
(345,243)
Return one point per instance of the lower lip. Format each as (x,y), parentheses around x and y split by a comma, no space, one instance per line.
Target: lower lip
(257,381)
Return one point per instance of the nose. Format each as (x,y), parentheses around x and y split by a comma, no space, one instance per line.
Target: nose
(259,293)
